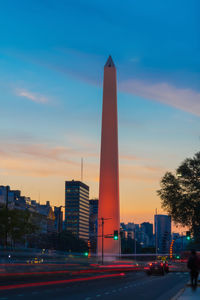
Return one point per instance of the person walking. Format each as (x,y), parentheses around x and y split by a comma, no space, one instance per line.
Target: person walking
(193,264)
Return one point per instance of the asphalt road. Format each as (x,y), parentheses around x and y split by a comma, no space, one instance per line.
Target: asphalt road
(136,286)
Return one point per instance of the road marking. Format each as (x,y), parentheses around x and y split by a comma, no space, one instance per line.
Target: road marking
(125,287)
(178,295)
(3,298)
(34,293)
(98,295)
(88,298)
(106,293)
(114,291)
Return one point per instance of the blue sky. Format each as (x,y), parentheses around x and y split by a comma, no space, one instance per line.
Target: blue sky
(52,55)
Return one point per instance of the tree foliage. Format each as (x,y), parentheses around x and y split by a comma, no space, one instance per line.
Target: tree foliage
(180,194)
(63,241)
(15,224)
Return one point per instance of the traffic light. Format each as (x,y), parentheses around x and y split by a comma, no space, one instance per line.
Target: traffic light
(86,253)
(188,237)
(89,244)
(116,235)
(177,256)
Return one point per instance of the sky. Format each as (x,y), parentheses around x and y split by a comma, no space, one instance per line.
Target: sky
(52,54)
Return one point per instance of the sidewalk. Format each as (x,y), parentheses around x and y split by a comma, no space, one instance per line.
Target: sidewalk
(190,294)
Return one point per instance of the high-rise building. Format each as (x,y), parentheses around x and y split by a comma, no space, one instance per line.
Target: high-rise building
(93,224)
(162,225)
(58,218)
(146,230)
(108,214)
(77,208)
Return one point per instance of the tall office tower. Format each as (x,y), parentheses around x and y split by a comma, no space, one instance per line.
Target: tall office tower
(58,218)
(162,225)
(77,208)
(146,230)
(109,171)
(93,224)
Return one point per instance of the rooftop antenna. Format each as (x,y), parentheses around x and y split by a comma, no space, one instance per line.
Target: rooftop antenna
(81,169)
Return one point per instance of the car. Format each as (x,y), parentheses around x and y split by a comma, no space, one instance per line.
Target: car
(35,261)
(157,267)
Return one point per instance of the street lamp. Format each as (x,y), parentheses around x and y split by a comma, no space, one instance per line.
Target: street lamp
(6,227)
(102,237)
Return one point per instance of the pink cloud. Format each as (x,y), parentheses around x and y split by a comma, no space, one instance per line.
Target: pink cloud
(32,96)
(182,98)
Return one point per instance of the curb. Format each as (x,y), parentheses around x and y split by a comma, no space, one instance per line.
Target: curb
(176,297)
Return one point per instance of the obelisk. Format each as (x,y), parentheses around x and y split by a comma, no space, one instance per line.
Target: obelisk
(108,212)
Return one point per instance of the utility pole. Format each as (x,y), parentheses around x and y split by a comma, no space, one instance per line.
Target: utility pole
(81,169)
(102,237)
(6,227)
(135,241)
(156,233)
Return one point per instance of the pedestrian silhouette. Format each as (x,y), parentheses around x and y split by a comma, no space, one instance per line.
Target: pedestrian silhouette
(194,265)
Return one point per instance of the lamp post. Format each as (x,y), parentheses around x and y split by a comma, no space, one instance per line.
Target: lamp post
(6,227)
(156,233)
(135,241)
(102,237)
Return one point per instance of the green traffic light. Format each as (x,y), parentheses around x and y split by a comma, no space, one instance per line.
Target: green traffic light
(86,253)
(115,236)
(188,235)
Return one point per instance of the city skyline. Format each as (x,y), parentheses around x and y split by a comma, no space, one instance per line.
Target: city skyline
(51,93)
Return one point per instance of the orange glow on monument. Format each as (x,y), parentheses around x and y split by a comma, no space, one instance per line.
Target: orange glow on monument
(109,169)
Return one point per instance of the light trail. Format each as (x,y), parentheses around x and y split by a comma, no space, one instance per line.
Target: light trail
(37,284)
(101,270)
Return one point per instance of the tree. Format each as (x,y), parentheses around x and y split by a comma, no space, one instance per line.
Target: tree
(63,241)
(180,194)
(15,224)
(68,242)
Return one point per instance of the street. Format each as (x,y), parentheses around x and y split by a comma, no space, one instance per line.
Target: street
(136,285)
